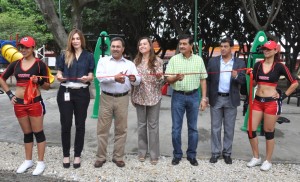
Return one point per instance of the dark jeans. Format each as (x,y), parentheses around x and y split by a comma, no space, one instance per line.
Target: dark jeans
(78,104)
(179,105)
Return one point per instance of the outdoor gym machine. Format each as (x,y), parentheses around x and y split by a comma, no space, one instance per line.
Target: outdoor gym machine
(101,49)
(254,54)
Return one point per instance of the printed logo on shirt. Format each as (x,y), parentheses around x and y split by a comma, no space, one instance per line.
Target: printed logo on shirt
(24,75)
(264,78)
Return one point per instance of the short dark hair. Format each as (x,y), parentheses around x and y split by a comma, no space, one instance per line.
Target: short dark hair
(227,39)
(118,39)
(186,36)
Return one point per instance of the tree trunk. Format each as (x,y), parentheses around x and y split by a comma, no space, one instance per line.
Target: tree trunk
(55,26)
(76,14)
(47,8)
(252,17)
(294,61)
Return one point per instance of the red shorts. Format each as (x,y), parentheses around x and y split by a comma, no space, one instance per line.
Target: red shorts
(267,105)
(35,109)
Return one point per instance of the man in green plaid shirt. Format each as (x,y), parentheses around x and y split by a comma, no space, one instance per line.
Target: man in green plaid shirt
(186,72)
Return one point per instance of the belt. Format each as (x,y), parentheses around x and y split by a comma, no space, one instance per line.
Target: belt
(223,94)
(72,85)
(73,88)
(115,95)
(265,99)
(36,99)
(186,93)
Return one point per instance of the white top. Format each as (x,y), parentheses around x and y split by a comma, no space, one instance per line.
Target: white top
(225,75)
(108,67)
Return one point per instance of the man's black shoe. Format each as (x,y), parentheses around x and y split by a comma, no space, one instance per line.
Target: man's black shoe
(227,159)
(175,161)
(214,159)
(193,161)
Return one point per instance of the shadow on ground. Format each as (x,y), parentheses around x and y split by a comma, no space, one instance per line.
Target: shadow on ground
(9,176)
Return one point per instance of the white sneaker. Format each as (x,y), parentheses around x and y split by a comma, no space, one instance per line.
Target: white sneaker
(254,162)
(266,166)
(40,167)
(24,166)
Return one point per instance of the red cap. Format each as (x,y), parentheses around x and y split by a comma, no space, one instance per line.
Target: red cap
(27,42)
(270,45)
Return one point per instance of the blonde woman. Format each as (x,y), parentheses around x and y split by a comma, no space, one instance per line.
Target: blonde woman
(75,72)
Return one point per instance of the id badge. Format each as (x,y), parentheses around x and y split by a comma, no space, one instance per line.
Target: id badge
(67,96)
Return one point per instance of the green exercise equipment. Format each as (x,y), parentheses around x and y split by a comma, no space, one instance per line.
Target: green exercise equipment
(259,40)
(101,49)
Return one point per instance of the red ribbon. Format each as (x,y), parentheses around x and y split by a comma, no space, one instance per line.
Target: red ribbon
(30,92)
(250,99)
(154,74)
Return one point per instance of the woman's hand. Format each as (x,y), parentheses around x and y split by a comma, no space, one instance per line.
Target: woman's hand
(60,78)
(134,104)
(276,95)
(13,100)
(159,75)
(11,97)
(35,79)
(84,79)
(249,70)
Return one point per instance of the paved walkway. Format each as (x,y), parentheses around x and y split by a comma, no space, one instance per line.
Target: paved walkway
(287,135)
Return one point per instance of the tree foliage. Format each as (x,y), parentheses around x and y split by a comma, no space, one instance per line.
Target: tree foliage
(160,20)
(287,29)
(22,18)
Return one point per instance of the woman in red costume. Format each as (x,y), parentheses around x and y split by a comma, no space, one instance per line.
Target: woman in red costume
(27,101)
(268,101)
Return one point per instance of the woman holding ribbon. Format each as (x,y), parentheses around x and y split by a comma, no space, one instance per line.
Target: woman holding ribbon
(268,101)
(31,73)
(146,97)
(75,72)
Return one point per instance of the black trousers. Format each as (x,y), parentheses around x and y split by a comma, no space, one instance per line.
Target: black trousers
(77,106)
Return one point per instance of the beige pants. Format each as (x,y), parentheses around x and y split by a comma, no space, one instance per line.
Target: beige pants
(112,108)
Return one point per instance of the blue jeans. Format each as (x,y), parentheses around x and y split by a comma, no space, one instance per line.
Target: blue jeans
(179,105)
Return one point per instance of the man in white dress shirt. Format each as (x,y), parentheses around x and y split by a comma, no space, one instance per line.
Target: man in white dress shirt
(116,75)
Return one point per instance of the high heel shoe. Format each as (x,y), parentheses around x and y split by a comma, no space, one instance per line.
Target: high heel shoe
(66,164)
(76,165)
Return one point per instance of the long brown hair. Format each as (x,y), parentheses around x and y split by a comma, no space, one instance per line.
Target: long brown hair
(152,56)
(70,51)
(277,57)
